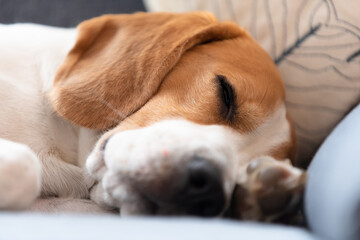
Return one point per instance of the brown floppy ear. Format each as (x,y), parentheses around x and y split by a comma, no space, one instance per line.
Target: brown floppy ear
(119,61)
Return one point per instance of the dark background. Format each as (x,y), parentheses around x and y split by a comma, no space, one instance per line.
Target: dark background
(64,13)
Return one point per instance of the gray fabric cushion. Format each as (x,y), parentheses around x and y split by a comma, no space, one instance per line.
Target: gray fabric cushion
(38,227)
(62,13)
(332,198)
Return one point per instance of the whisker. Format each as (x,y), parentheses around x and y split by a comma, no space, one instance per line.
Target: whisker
(122,116)
(265,93)
(115,120)
(113,108)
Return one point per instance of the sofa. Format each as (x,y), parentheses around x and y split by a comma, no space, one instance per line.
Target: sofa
(332,196)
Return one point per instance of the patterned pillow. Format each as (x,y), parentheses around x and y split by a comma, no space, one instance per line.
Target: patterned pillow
(316,46)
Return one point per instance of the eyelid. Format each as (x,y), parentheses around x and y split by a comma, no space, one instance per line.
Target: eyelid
(228,107)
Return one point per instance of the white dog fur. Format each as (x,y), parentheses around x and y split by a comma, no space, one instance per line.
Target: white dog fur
(30,56)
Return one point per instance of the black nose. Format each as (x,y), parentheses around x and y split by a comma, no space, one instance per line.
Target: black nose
(202,193)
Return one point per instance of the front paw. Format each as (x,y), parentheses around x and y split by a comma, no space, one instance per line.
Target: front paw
(112,194)
(272,188)
(19,176)
(116,177)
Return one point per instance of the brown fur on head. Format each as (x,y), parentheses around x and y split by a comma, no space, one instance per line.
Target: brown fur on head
(116,61)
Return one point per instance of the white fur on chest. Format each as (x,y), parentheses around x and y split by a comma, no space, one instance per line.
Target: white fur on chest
(30,55)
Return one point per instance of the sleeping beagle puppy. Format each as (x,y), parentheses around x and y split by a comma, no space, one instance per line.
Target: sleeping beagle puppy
(149,113)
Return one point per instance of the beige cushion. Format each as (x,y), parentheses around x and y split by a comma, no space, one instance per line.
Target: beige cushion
(316,45)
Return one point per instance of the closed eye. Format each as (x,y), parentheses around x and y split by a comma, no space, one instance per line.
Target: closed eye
(227,97)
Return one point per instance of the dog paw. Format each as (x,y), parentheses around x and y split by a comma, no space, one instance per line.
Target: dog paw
(271,189)
(112,193)
(19,176)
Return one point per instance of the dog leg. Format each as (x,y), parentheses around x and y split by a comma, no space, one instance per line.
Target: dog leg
(20,174)
(270,189)
(62,179)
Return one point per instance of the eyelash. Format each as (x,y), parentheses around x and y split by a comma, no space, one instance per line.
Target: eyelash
(228,97)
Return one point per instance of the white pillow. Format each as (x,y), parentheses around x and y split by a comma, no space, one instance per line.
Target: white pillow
(316,45)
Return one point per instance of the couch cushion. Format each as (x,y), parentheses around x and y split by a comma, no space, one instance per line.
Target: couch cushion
(31,226)
(332,197)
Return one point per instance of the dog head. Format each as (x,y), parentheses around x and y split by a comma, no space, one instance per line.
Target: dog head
(186,103)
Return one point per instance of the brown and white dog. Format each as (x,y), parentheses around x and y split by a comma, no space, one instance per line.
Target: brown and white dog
(169,113)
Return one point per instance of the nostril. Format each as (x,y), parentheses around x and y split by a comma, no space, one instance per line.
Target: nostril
(202,174)
(203,193)
(198,179)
